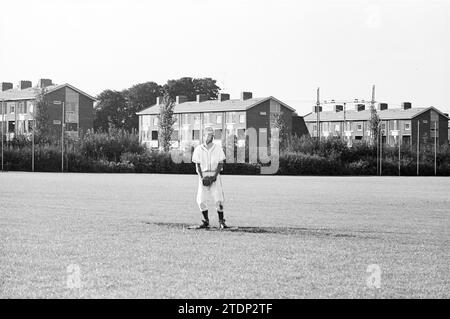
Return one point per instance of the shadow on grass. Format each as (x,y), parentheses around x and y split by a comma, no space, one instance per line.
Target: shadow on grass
(270,230)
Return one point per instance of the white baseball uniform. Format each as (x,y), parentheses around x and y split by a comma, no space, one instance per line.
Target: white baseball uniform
(209,159)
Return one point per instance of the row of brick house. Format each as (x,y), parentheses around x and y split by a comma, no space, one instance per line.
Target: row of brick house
(405,125)
(230,118)
(17,107)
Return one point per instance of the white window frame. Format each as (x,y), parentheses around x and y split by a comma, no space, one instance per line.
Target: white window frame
(241,118)
(359,127)
(155,120)
(407,126)
(219,119)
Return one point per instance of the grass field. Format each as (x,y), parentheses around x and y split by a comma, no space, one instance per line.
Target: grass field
(300,237)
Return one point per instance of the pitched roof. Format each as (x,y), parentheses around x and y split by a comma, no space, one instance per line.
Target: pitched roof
(30,93)
(353,115)
(213,106)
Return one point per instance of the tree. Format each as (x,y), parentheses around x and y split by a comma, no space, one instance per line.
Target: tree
(190,87)
(165,122)
(139,97)
(206,86)
(42,118)
(110,111)
(374,125)
(278,121)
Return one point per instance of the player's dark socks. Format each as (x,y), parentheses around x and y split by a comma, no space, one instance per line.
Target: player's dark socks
(205,215)
(220,215)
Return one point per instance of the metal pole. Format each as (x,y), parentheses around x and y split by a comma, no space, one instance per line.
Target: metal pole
(62,139)
(318,113)
(381,152)
(399,154)
(345,118)
(374,137)
(32,146)
(418,141)
(3,126)
(435,148)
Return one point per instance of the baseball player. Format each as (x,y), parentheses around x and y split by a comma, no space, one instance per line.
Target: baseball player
(208,158)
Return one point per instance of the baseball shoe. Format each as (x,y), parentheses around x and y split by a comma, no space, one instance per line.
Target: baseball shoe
(222,224)
(204,224)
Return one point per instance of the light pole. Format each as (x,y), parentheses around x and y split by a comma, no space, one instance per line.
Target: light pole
(435,148)
(62,133)
(33,127)
(418,145)
(3,127)
(381,149)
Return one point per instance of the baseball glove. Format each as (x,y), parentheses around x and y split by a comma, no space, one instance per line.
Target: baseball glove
(208,180)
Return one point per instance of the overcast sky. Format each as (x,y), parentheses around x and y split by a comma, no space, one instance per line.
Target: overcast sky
(282,48)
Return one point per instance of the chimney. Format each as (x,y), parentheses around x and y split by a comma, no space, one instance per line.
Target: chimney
(6,86)
(246,95)
(24,84)
(202,98)
(43,83)
(224,97)
(360,107)
(159,100)
(180,99)
(338,108)
(382,106)
(314,109)
(406,105)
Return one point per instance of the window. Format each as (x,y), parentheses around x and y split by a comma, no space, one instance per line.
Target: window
(71,117)
(314,128)
(241,134)
(154,135)
(72,127)
(12,109)
(242,118)
(185,119)
(218,134)
(383,126)
(337,127)
(195,134)
(359,127)
(230,117)
(196,119)
(262,113)
(219,119)
(174,136)
(206,117)
(11,126)
(407,126)
(155,120)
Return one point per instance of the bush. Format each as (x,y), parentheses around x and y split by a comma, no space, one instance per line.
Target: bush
(120,152)
(109,145)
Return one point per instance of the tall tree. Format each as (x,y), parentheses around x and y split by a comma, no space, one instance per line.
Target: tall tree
(42,117)
(190,87)
(278,120)
(110,111)
(206,86)
(165,122)
(139,97)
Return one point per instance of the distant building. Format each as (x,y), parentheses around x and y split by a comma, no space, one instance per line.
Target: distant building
(230,118)
(18,105)
(399,124)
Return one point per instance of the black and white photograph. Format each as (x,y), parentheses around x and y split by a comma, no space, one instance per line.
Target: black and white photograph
(225,155)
